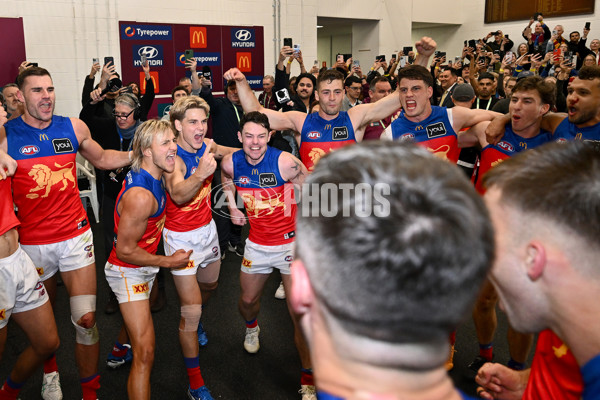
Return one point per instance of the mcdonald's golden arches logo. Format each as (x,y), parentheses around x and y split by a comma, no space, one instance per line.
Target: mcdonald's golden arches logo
(43,137)
(244,61)
(419,128)
(578,136)
(154,77)
(254,171)
(328,127)
(523,145)
(198,37)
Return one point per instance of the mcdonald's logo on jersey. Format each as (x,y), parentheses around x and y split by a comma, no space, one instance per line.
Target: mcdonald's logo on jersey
(154,77)
(578,136)
(244,61)
(523,145)
(254,171)
(328,127)
(43,137)
(419,128)
(198,38)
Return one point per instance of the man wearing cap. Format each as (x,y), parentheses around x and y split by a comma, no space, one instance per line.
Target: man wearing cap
(463,95)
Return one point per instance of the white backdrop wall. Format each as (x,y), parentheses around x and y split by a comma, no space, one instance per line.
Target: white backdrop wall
(450,38)
(64,35)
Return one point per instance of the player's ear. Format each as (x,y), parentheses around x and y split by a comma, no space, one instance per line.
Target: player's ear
(535,260)
(240,136)
(302,295)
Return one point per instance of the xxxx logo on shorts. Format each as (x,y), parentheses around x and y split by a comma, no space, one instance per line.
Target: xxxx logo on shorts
(140,288)
(246,263)
(2,314)
(40,271)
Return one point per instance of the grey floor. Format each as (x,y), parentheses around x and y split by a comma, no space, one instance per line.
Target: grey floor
(229,372)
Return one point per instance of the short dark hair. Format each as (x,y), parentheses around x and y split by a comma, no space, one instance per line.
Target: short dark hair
(557,181)
(32,71)
(589,73)
(256,117)
(230,84)
(376,80)
(329,76)
(352,79)
(453,72)
(546,90)
(405,275)
(176,89)
(416,73)
(485,75)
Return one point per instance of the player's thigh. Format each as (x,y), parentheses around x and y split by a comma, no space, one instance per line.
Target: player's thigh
(187,289)
(40,327)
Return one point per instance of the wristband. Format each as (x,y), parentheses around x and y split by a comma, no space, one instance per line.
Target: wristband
(501,70)
(129,153)
(289,62)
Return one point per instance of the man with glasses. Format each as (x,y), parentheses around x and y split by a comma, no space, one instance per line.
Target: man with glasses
(353,86)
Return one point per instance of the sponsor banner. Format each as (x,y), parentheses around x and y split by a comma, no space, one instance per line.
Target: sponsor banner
(154,54)
(140,32)
(255,82)
(198,37)
(242,38)
(244,61)
(155,81)
(210,59)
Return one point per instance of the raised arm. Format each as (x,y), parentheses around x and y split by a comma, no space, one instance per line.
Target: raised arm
(279,121)
(217,150)
(183,190)
(466,118)
(136,207)
(94,153)
(425,48)
(363,114)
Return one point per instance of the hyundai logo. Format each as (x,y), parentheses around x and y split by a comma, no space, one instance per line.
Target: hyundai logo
(243,35)
(148,51)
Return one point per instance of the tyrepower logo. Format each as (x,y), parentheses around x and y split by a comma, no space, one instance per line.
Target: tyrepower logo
(154,55)
(154,32)
(244,61)
(198,38)
(210,59)
(29,150)
(242,38)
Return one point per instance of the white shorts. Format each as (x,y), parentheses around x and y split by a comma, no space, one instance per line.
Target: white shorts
(203,241)
(259,259)
(22,289)
(130,284)
(68,255)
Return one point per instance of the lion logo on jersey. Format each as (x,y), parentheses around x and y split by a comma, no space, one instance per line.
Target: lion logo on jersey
(45,178)
(160,224)
(200,196)
(315,155)
(256,205)
(441,152)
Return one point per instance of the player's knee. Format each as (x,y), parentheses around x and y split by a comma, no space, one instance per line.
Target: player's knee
(47,345)
(144,353)
(83,318)
(190,317)
(248,301)
(208,286)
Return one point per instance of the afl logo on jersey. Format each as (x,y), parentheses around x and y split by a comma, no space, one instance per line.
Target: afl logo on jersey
(506,146)
(267,180)
(193,170)
(63,145)
(29,150)
(407,137)
(340,133)
(244,180)
(314,135)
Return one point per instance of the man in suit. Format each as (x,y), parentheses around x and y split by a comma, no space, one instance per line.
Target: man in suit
(447,78)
